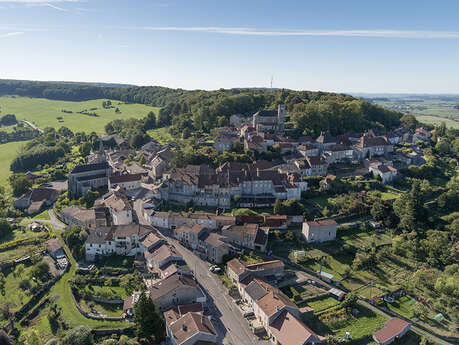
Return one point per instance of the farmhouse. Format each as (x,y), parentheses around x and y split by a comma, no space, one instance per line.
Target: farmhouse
(36,200)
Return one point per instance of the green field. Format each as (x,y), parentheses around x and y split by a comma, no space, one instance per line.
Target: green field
(8,152)
(436,120)
(44,112)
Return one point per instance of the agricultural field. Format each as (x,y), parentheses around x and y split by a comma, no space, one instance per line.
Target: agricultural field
(48,113)
(437,120)
(430,110)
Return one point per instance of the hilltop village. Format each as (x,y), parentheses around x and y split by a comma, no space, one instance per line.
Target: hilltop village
(287,245)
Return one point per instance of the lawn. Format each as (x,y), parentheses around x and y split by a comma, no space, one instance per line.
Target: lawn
(44,112)
(62,290)
(402,306)
(8,153)
(107,309)
(25,249)
(13,293)
(162,135)
(322,304)
(112,289)
(42,215)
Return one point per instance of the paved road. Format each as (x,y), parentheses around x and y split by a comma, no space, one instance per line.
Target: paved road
(32,125)
(233,329)
(56,223)
(413,327)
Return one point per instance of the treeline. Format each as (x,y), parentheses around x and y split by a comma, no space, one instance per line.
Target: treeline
(46,149)
(198,110)
(19,134)
(39,154)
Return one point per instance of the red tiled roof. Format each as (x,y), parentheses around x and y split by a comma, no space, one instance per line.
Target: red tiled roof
(391,329)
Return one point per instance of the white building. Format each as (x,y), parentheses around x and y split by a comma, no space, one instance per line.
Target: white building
(320,231)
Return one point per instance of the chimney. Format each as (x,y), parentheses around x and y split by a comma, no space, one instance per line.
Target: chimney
(258,172)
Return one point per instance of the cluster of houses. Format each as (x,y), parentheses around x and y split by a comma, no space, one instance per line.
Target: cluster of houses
(273,311)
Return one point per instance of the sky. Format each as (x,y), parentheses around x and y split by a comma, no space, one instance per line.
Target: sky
(350,46)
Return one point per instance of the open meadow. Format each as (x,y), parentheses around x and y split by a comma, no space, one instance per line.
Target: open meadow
(8,152)
(49,113)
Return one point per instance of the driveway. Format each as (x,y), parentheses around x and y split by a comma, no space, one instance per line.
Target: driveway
(232,328)
(56,223)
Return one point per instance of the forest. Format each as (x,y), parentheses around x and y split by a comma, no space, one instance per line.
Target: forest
(199,110)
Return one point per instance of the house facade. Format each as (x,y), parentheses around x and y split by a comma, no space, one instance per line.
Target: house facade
(320,231)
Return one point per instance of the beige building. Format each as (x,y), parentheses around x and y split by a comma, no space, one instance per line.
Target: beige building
(174,290)
(320,231)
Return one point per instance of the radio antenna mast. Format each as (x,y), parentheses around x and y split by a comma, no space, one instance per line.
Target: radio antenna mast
(272,82)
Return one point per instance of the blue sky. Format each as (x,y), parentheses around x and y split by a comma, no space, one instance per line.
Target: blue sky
(347,46)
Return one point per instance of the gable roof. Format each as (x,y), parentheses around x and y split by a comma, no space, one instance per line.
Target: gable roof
(125,178)
(90,167)
(236,266)
(289,330)
(391,329)
(170,284)
(189,325)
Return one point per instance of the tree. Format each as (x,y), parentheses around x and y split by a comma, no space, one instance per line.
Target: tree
(5,228)
(41,271)
(85,148)
(443,146)
(2,283)
(277,209)
(150,121)
(349,301)
(80,335)
(148,322)
(409,120)
(20,184)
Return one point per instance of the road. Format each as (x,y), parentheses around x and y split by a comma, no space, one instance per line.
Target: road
(56,223)
(233,329)
(32,125)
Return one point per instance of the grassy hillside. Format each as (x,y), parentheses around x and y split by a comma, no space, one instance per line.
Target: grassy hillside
(8,152)
(44,112)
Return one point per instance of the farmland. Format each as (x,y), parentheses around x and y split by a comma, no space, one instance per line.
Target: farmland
(48,113)
(431,110)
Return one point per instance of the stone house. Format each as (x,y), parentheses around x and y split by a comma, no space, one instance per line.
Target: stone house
(320,231)
(190,329)
(77,215)
(249,236)
(213,246)
(174,290)
(127,181)
(189,235)
(387,172)
(117,239)
(118,205)
(36,199)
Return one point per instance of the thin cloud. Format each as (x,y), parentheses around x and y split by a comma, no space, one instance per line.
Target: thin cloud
(11,34)
(55,7)
(419,34)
